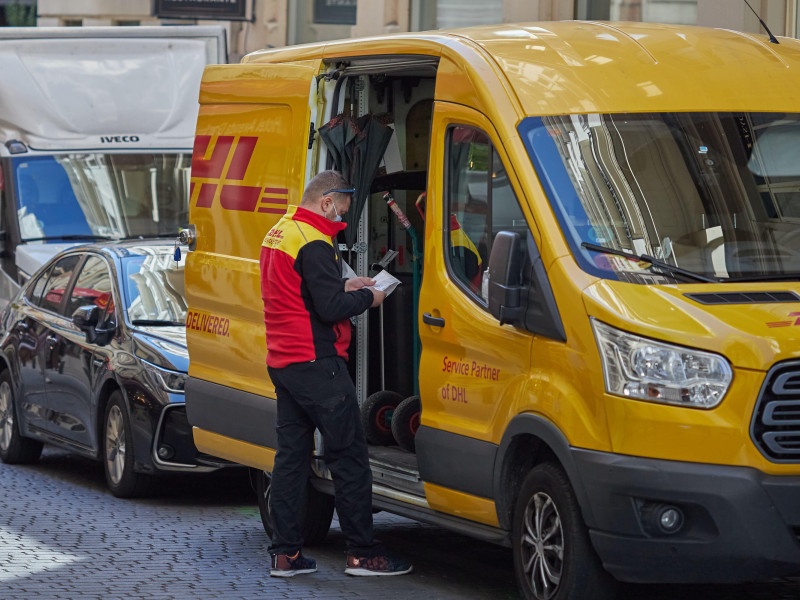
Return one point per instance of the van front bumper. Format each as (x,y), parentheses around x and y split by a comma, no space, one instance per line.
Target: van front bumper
(739,523)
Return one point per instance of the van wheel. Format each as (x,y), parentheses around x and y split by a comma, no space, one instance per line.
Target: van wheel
(405,422)
(553,556)
(117,452)
(376,417)
(14,449)
(316,518)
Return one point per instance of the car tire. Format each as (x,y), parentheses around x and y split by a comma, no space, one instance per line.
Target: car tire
(376,417)
(553,556)
(117,452)
(315,518)
(14,448)
(405,422)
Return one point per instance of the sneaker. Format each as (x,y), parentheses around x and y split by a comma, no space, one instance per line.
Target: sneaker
(284,565)
(376,565)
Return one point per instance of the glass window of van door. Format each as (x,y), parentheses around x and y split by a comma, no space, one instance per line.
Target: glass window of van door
(479,203)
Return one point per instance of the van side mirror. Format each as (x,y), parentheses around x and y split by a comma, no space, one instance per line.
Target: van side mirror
(86,318)
(505,278)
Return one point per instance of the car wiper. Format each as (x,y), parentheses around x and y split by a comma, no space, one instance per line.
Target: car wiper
(775,277)
(652,260)
(157,322)
(79,237)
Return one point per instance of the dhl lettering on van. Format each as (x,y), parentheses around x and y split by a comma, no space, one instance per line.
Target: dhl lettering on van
(207,323)
(473,369)
(796,322)
(208,162)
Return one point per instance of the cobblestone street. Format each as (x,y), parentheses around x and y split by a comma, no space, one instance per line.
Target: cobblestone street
(63,536)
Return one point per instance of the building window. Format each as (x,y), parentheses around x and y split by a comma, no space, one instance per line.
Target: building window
(71,22)
(126,23)
(682,12)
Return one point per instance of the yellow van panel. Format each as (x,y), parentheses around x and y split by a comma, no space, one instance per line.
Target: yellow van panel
(234,450)
(248,166)
(461,505)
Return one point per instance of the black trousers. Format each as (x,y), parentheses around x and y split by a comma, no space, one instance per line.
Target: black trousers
(321,395)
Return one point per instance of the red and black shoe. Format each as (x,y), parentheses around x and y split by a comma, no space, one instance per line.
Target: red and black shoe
(284,565)
(372,566)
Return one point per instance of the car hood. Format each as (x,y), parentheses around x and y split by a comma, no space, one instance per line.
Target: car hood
(162,346)
(745,322)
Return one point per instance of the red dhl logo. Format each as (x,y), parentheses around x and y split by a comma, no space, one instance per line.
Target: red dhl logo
(232,196)
(786,323)
(206,323)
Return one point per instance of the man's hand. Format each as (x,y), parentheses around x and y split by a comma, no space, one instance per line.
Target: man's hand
(356,283)
(377,297)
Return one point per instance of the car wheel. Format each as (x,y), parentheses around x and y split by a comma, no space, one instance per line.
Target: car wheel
(118,456)
(376,417)
(315,518)
(553,556)
(405,422)
(14,449)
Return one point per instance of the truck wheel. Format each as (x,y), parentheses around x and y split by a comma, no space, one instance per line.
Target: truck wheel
(376,417)
(405,422)
(316,518)
(553,556)
(14,449)
(117,451)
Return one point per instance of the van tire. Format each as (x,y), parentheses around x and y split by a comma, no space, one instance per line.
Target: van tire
(14,449)
(376,417)
(405,422)
(547,491)
(315,519)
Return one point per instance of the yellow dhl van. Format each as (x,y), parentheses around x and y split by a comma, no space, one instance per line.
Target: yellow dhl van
(617,388)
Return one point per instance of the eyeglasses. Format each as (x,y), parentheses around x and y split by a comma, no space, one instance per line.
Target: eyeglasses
(341,191)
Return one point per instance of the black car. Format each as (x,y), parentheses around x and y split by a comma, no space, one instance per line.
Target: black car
(93,359)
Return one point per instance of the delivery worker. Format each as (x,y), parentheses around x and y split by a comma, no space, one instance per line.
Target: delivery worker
(307,307)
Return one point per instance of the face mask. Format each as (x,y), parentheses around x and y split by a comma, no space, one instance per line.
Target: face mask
(336,212)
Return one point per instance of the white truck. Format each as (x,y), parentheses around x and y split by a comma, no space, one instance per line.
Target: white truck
(96,133)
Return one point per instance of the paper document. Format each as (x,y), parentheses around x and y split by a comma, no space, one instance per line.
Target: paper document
(385,282)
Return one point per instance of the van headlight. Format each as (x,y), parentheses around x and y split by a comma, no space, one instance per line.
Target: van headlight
(172,382)
(638,367)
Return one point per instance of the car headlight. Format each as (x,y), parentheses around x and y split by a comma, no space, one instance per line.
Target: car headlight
(173,382)
(638,367)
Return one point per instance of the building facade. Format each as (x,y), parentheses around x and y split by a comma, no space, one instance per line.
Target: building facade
(284,22)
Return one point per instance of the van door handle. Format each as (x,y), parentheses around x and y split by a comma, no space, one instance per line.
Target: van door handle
(428,319)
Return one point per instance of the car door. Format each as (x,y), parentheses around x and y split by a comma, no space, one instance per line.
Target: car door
(472,369)
(31,332)
(69,366)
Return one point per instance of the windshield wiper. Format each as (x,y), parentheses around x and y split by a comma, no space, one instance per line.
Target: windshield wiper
(157,322)
(775,277)
(652,260)
(88,237)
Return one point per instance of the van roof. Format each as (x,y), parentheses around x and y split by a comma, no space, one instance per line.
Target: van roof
(101,88)
(569,67)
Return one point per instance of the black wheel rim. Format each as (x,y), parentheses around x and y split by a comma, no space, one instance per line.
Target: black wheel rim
(542,546)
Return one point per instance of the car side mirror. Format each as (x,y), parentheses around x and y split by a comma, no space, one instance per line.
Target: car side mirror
(86,318)
(505,278)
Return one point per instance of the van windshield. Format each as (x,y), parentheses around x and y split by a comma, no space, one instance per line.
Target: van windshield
(716,195)
(101,195)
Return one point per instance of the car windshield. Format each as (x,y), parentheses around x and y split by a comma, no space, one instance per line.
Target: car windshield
(153,288)
(101,195)
(716,195)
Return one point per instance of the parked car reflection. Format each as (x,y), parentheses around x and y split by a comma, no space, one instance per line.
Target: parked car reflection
(93,359)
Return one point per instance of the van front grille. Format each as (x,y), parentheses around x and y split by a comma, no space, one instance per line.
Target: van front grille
(776,421)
